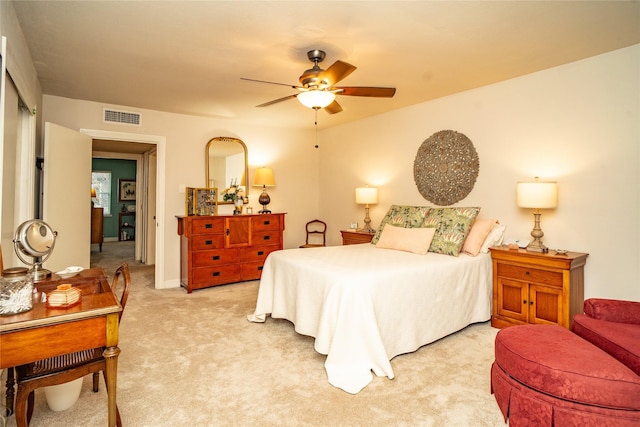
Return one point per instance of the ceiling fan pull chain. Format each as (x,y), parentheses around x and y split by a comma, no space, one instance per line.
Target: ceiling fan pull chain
(316,123)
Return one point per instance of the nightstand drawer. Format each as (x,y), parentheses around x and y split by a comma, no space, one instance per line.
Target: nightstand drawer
(528,274)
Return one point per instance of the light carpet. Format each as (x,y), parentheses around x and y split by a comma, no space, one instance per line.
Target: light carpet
(194,360)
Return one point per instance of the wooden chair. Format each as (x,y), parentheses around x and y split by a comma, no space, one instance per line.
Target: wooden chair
(316,229)
(67,367)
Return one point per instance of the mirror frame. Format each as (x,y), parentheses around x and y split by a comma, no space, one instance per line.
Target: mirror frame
(207,150)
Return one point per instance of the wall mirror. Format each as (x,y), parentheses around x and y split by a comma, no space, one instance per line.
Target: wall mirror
(226,162)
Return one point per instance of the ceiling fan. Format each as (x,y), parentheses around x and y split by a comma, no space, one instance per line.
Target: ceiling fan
(317,88)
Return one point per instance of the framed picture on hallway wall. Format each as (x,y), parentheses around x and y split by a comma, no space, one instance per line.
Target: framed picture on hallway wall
(126,190)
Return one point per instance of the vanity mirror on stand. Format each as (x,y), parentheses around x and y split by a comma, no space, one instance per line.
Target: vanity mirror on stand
(226,165)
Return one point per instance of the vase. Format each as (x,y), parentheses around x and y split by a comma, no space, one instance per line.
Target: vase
(238,206)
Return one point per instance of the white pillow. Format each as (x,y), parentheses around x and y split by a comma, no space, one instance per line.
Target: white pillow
(415,240)
(495,237)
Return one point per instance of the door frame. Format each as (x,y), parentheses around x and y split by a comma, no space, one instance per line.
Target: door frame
(160,142)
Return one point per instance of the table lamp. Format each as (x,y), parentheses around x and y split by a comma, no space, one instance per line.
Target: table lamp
(93,195)
(264,178)
(366,196)
(537,195)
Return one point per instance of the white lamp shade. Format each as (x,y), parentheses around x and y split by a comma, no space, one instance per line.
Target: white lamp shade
(316,98)
(366,196)
(264,177)
(538,195)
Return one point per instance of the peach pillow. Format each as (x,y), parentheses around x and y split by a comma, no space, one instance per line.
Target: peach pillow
(477,235)
(416,240)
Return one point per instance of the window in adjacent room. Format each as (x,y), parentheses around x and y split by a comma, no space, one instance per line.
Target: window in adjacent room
(101,181)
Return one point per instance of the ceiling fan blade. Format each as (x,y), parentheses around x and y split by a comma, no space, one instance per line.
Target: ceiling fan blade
(275,101)
(271,83)
(338,71)
(333,108)
(377,92)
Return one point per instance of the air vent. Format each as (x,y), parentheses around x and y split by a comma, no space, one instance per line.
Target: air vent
(123,117)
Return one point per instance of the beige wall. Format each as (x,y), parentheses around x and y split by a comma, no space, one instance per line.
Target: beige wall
(289,152)
(578,124)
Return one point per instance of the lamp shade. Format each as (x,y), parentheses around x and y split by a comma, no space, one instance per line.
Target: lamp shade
(264,178)
(93,192)
(366,195)
(537,194)
(316,98)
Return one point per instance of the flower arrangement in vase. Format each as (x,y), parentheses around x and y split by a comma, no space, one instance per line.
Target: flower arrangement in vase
(235,194)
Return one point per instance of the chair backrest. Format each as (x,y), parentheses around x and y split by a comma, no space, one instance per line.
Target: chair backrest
(121,271)
(316,228)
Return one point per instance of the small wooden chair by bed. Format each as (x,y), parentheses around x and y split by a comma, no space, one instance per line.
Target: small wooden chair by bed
(316,233)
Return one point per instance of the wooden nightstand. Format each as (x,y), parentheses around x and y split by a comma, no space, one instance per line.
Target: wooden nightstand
(532,287)
(352,237)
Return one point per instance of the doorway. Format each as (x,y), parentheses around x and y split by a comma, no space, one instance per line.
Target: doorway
(149,151)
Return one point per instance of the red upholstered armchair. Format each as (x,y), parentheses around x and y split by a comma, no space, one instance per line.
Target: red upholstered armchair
(613,326)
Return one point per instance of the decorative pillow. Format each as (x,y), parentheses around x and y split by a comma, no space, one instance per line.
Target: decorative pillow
(477,235)
(495,238)
(402,216)
(452,226)
(416,240)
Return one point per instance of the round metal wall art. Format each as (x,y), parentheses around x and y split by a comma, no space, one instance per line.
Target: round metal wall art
(446,167)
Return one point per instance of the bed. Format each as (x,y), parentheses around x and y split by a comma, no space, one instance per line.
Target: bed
(365,304)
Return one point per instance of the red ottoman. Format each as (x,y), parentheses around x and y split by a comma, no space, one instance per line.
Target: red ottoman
(544,375)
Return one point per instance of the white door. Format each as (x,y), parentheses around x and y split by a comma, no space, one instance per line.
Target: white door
(150,254)
(67,195)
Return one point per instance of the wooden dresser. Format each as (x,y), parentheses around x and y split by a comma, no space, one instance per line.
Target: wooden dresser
(352,237)
(533,287)
(221,249)
(97,226)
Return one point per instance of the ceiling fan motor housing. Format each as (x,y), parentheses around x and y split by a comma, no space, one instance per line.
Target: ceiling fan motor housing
(309,78)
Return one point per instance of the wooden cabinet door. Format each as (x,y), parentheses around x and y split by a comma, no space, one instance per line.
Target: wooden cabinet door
(513,301)
(546,305)
(237,231)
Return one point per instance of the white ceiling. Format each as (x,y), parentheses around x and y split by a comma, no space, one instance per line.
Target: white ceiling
(188,56)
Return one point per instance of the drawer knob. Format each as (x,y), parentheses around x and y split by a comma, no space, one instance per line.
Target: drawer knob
(267,222)
(215,273)
(526,273)
(208,226)
(208,242)
(215,257)
(260,252)
(260,268)
(524,301)
(267,237)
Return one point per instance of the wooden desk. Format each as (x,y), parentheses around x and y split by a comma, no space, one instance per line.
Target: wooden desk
(44,332)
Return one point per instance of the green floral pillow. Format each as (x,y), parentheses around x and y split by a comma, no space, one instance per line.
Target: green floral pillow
(452,226)
(402,216)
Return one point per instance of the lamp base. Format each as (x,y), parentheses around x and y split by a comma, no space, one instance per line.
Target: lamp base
(537,246)
(264,200)
(537,233)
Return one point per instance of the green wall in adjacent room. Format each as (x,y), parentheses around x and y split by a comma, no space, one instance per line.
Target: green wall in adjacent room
(120,169)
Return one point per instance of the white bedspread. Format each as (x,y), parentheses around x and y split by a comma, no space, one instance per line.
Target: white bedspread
(365,305)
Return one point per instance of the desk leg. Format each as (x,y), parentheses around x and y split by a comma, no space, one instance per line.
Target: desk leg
(111,358)
(10,396)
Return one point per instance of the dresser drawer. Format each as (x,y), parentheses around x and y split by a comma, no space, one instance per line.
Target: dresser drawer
(257,253)
(214,257)
(530,274)
(209,276)
(202,242)
(251,270)
(207,225)
(269,237)
(269,222)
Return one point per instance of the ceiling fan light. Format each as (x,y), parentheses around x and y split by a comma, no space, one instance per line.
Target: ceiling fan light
(316,98)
